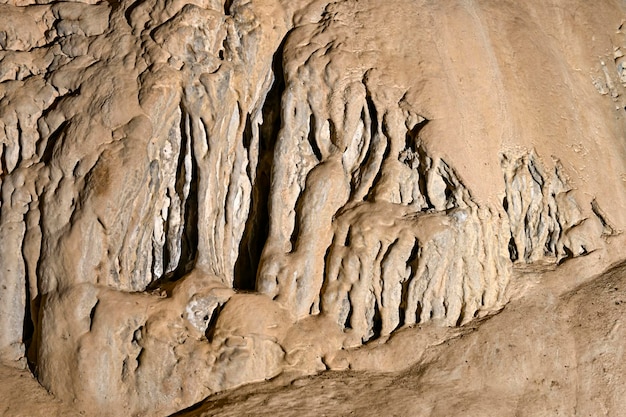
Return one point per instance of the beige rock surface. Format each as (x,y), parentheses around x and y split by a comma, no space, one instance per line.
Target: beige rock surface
(22,396)
(199,195)
(552,353)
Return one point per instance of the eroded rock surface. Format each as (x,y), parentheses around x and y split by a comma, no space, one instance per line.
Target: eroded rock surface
(199,195)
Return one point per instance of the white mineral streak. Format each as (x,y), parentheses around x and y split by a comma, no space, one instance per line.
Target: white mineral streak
(198,195)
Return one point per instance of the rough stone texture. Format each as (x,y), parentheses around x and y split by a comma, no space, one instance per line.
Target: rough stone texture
(200,195)
(566,359)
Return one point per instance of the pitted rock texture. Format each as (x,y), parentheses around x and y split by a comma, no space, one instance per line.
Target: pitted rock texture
(199,195)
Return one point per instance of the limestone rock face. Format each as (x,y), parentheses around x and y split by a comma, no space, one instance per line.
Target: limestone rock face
(199,195)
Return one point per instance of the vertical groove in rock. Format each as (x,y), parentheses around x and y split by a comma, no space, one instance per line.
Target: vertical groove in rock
(543,216)
(381,191)
(264,125)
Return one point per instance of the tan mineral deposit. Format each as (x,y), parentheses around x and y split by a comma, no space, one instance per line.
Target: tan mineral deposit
(313,208)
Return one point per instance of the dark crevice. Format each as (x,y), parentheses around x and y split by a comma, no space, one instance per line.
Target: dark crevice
(370,194)
(568,255)
(413,259)
(312,140)
(325,282)
(140,357)
(28,329)
(404,300)
(137,335)
(378,138)
(179,187)
(533,169)
(608,228)
(529,231)
(513,254)
(31,344)
(224,48)
(413,264)
(412,135)
(3,162)
(92,314)
(373,114)
(129,11)
(247,136)
(189,236)
(257,224)
(189,239)
(296,223)
(348,323)
(46,148)
(210,330)
(255,232)
(334,137)
(227,6)
(459,321)
(377,323)
(167,256)
(418,312)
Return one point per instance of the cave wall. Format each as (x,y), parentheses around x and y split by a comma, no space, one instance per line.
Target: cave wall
(199,195)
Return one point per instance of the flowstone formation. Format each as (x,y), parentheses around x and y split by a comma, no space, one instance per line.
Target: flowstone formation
(198,195)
